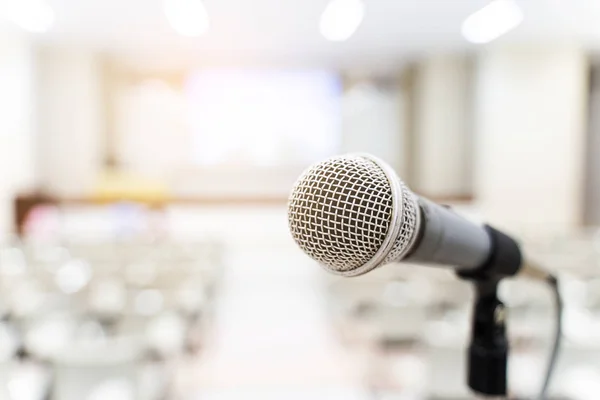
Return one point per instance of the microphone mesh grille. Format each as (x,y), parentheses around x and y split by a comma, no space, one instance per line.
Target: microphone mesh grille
(340,211)
(407,228)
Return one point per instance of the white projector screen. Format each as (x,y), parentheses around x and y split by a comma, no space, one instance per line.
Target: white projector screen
(263,117)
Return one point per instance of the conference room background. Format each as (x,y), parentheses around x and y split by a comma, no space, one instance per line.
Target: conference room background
(148,149)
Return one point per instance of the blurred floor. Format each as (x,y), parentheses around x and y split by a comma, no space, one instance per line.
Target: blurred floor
(273,338)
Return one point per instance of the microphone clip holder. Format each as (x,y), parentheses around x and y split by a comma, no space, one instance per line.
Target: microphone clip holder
(488,350)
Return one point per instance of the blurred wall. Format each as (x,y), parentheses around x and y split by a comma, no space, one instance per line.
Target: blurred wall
(592,187)
(531,112)
(526,148)
(16,134)
(374,120)
(443,156)
(70,121)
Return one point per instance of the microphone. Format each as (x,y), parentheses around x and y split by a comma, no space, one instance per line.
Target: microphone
(352,214)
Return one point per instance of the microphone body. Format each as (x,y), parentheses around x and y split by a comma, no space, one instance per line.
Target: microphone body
(353,214)
(447,238)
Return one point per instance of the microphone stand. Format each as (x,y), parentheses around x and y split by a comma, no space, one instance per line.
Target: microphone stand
(488,350)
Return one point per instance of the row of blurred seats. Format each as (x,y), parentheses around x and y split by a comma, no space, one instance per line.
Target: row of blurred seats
(106,320)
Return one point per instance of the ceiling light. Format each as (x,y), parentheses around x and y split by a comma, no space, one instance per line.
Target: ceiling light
(341,19)
(32,15)
(187,17)
(492,21)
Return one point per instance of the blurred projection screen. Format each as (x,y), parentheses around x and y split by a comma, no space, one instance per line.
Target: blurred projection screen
(263,117)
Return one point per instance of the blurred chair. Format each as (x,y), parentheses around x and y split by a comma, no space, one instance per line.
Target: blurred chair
(100,319)
(92,370)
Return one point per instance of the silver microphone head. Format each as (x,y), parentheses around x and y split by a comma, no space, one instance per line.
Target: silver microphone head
(351,214)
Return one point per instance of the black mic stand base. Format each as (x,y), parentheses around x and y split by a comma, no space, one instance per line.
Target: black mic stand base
(488,350)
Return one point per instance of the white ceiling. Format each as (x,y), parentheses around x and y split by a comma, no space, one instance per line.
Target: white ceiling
(287,30)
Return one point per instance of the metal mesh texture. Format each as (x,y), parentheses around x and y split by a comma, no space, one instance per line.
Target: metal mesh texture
(410,208)
(340,211)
